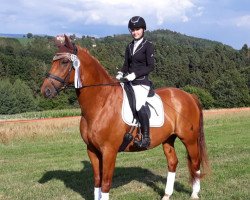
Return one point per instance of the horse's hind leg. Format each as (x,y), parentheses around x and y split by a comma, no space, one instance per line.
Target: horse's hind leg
(172,159)
(194,166)
(96,161)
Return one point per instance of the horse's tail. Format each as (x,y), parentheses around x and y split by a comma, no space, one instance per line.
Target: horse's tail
(203,157)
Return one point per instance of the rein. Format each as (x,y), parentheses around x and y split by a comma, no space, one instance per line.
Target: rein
(98,85)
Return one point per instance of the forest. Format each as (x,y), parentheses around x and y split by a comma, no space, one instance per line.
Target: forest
(217,73)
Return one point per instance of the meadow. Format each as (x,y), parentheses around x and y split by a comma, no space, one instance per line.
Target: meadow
(47,159)
(42,114)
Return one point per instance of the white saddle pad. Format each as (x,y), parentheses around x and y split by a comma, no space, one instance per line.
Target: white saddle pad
(157,112)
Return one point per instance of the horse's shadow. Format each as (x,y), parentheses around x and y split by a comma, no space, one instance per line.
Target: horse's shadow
(82,181)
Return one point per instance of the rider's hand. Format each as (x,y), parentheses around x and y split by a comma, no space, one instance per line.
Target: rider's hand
(119,75)
(130,77)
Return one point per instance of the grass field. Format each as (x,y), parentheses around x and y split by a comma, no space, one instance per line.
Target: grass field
(48,160)
(42,114)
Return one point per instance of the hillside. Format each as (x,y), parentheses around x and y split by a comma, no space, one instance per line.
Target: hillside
(217,73)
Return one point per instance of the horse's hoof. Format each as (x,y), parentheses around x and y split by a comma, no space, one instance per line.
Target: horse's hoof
(194,196)
(166,197)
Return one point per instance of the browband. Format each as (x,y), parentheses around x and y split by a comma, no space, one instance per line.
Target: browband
(59,56)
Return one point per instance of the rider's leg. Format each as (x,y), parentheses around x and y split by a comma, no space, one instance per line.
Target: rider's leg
(144,122)
(141,93)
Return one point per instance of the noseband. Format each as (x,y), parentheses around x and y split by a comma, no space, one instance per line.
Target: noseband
(64,81)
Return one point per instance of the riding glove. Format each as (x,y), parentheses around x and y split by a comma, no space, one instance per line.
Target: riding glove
(119,75)
(130,77)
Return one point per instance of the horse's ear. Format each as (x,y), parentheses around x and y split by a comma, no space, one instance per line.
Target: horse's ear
(59,40)
(64,44)
(68,42)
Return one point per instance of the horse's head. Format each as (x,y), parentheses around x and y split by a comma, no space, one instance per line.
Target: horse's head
(61,73)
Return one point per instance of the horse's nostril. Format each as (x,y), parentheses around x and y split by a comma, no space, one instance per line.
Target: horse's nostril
(47,92)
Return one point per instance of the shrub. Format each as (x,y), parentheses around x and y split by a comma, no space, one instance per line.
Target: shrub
(15,98)
(6,97)
(204,96)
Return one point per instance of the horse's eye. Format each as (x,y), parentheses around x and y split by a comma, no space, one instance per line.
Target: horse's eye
(64,61)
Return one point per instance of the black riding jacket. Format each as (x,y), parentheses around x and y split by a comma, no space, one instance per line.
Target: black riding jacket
(141,63)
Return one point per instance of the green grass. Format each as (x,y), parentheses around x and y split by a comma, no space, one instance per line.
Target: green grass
(57,167)
(43,114)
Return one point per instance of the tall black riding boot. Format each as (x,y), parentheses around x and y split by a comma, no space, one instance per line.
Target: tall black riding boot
(144,122)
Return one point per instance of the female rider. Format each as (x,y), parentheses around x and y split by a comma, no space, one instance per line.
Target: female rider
(138,63)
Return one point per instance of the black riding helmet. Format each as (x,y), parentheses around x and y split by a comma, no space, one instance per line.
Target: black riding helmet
(136,22)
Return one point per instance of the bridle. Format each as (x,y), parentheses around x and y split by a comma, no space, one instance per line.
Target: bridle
(64,81)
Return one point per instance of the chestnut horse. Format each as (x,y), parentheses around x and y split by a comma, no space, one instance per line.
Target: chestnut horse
(103,129)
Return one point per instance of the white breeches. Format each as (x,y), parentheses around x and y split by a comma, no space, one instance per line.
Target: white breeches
(141,93)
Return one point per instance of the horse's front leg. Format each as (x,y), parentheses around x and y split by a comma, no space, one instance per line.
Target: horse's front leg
(172,159)
(108,166)
(96,161)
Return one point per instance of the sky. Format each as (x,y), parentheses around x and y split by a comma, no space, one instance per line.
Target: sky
(225,21)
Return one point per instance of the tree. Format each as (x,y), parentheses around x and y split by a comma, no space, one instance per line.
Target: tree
(29,35)
(244,50)
(230,90)
(196,79)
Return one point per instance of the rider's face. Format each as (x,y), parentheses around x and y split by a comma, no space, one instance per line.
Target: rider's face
(137,33)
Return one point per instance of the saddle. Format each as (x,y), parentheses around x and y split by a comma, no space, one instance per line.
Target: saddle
(153,105)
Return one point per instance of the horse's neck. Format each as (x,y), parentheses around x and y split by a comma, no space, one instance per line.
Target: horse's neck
(92,97)
(92,70)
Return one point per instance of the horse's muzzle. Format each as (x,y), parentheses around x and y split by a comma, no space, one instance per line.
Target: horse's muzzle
(47,92)
(48,89)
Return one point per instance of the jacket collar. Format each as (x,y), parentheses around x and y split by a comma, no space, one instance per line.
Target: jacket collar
(131,46)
